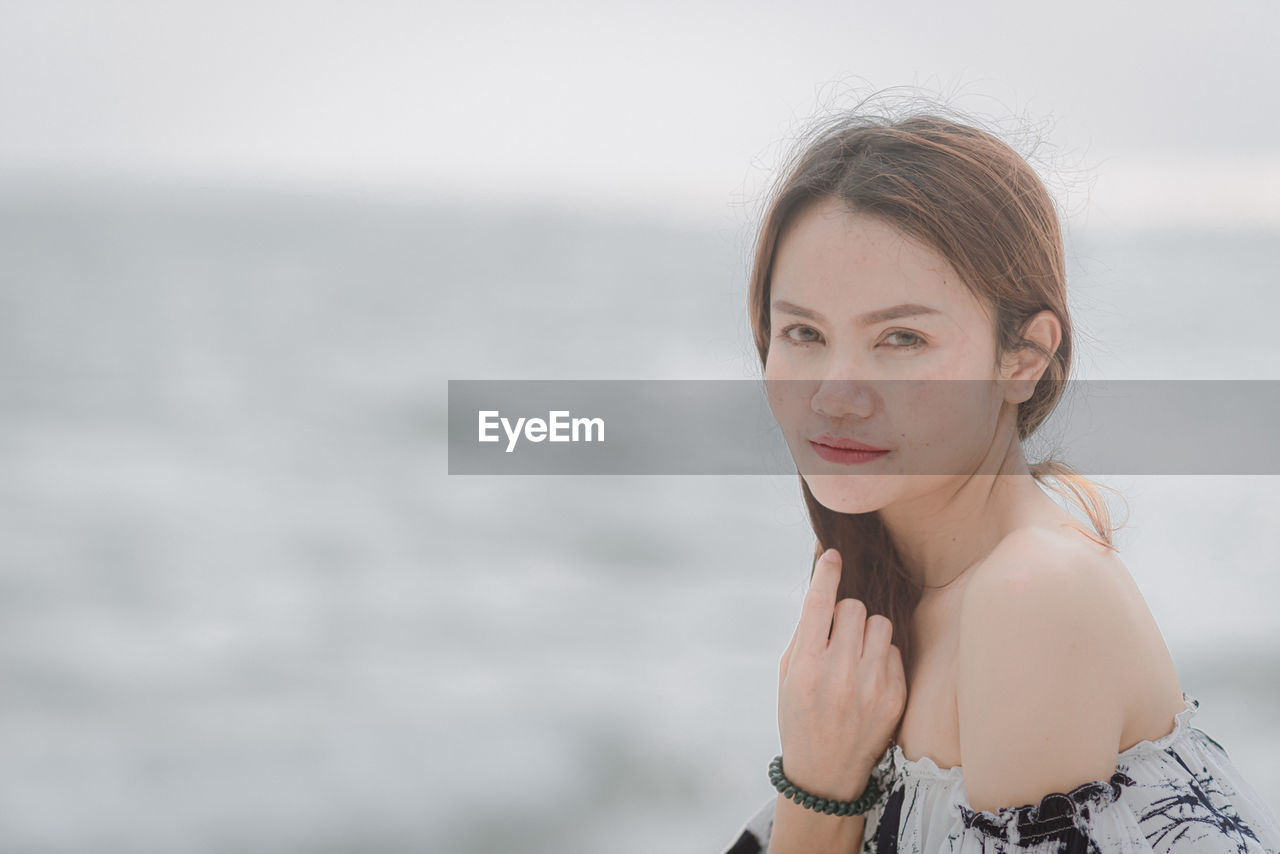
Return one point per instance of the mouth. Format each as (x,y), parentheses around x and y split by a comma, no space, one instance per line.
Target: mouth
(845,451)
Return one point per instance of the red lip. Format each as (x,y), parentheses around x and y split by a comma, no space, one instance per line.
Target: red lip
(844,444)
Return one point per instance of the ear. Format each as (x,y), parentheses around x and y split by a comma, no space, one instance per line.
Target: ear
(1022,368)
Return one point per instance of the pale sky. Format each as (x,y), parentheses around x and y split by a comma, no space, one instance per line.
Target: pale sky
(1150,112)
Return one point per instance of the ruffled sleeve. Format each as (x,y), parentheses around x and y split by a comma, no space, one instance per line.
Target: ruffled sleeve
(1177,794)
(1062,821)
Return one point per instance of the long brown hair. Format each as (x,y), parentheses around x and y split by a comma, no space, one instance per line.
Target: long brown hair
(966,193)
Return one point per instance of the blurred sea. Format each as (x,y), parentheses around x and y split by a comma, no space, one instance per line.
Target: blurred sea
(244,608)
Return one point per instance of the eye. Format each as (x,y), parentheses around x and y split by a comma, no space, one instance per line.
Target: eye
(785,334)
(919,341)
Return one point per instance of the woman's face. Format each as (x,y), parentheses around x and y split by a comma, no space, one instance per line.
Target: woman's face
(867,326)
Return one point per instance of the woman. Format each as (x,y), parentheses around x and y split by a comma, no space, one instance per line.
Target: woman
(955,609)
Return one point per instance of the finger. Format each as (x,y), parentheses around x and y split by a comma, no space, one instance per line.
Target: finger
(819,604)
(786,658)
(847,633)
(877,634)
(897,675)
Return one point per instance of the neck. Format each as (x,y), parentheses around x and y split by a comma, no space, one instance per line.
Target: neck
(941,535)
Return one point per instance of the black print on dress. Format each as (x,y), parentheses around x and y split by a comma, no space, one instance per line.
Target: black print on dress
(886,839)
(1187,815)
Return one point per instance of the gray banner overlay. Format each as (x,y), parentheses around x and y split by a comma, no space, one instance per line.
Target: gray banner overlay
(718,427)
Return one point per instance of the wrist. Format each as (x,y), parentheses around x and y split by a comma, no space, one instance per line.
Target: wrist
(844,781)
(856,794)
(797,830)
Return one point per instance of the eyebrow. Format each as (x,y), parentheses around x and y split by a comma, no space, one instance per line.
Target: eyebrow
(906,309)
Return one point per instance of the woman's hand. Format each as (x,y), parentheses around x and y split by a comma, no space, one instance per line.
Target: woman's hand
(839,699)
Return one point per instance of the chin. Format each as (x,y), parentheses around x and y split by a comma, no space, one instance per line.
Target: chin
(847,493)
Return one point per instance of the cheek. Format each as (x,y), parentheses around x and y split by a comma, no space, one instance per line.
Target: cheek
(788,398)
(942,423)
(779,361)
(789,401)
(926,408)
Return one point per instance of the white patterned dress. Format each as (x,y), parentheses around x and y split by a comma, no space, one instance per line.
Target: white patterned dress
(1177,794)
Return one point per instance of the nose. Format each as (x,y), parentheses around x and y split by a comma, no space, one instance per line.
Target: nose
(837,398)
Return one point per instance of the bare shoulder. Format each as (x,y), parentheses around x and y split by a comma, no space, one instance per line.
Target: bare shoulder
(1042,560)
(1040,687)
(1069,591)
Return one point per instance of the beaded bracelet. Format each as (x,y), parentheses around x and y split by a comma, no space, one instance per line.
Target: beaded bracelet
(826,806)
